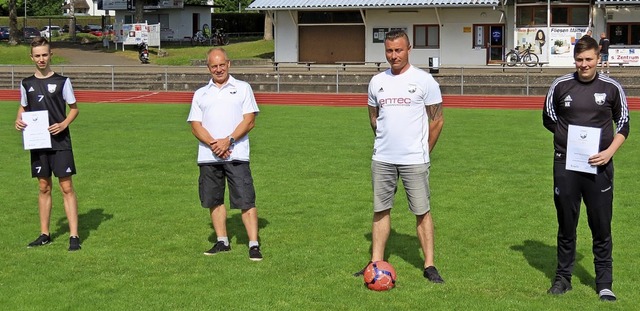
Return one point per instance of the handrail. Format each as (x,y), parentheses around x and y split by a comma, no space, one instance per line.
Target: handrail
(326,78)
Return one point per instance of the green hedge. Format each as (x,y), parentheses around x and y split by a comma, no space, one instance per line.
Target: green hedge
(238,22)
(40,21)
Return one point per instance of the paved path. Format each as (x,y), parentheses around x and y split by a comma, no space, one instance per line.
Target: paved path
(91,54)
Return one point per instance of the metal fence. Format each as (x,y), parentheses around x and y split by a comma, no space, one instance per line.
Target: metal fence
(490,80)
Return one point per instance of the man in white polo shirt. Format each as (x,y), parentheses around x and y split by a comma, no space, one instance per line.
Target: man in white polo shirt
(222,114)
(405,111)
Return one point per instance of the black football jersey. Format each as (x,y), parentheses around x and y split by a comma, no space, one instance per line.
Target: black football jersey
(51,94)
(600,103)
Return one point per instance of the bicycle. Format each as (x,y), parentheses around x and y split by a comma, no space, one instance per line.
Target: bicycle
(525,56)
(220,38)
(199,39)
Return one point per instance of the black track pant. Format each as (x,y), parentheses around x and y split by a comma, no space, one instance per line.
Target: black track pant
(570,188)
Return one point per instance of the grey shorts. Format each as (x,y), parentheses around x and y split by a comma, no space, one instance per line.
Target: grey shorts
(211,185)
(58,162)
(415,179)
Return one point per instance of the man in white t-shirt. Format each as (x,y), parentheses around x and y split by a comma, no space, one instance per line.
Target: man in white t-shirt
(222,114)
(405,111)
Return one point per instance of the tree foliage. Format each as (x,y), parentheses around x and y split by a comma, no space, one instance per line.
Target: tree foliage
(34,7)
(4,7)
(231,5)
(44,7)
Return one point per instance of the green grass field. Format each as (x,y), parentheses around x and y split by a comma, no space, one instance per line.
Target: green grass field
(176,55)
(144,233)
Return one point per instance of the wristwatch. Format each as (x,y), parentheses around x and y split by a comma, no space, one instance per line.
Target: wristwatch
(232,141)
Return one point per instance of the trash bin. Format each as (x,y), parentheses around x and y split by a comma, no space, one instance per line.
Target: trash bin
(434,65)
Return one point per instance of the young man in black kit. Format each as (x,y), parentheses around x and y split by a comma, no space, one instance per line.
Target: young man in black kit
(588,99)
(51,92)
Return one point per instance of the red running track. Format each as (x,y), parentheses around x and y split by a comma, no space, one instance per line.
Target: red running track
(307,99)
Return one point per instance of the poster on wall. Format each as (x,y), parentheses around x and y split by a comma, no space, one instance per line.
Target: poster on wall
(535,38)
(380,33)
(561,43)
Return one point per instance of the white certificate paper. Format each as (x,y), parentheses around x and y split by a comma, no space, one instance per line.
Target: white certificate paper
(36,135)
(582,142)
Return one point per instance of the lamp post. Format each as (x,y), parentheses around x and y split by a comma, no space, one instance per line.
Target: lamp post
(25,15)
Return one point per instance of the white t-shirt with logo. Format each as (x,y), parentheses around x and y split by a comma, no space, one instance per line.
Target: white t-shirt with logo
(221,110)
(402,131)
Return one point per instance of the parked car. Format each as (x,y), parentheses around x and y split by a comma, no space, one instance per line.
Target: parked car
(93,29)
(4,32)
(30,32)
(65,28)
(49,32)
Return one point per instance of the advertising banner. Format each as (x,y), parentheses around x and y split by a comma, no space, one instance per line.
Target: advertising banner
(562,41)
(133,34)
(114,4)
(535,38)
(626,56)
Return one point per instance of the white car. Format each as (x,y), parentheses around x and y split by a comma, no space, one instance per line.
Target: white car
(46,32)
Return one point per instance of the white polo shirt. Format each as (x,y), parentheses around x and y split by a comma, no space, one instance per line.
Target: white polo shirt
(402,131)
(221,110)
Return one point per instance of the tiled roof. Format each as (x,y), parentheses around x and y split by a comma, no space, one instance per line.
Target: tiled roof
(77,4)
(363,4)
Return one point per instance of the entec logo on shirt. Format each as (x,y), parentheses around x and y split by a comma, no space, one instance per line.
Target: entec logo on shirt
(394,101)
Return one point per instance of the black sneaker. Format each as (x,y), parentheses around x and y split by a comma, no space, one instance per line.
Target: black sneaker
(361,272)
(431,274)
(43,239)
(560,286)
(254,253)
(607,295)
(74,244)
(218,248)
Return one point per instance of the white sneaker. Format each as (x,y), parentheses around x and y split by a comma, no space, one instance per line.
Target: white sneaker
(607,295)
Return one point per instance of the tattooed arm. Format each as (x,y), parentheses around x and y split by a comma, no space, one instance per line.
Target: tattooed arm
(373,118)
(436,121)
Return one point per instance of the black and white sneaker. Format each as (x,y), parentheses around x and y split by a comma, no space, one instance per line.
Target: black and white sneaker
(431,274)
(219,247)
(43,239)
(607,295)
(254,253)
(560,286)
(74,244)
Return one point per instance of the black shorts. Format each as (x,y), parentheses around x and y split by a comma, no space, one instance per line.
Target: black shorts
(211,182)
(58,162)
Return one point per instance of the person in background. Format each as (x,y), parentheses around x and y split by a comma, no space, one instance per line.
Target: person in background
(604,52)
